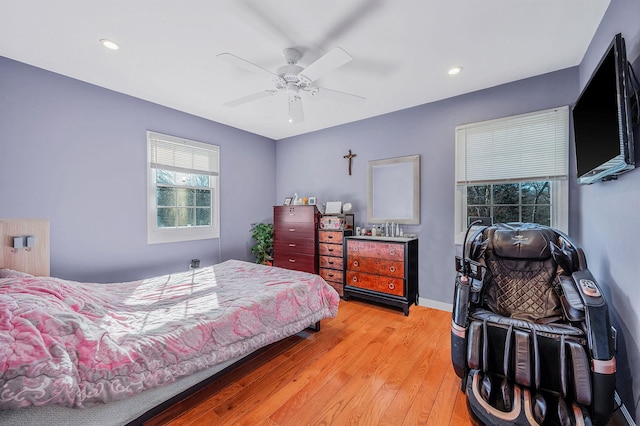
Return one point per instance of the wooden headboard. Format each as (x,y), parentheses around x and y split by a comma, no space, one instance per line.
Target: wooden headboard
(34,261)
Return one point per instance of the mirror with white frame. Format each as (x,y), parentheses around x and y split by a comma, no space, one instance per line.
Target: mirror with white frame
(394,190)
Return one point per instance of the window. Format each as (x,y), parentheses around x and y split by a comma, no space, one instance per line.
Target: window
(183,189)
(514,169)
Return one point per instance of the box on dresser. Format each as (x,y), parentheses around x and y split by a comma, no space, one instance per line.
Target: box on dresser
(382,269)
(295,237)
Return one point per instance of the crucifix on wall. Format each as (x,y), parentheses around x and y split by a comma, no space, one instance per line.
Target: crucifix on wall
(349,156)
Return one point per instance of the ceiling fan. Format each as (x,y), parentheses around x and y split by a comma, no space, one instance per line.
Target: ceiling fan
(292,80)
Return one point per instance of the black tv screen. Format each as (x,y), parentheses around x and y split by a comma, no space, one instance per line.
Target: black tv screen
(601,121)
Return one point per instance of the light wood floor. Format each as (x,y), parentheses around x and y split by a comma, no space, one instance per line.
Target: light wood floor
(370,365)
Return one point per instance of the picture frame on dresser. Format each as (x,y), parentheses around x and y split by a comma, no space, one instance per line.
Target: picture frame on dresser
(287,201)
(393,190)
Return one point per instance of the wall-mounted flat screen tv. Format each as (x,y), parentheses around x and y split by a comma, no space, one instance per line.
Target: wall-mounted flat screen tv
(602,123)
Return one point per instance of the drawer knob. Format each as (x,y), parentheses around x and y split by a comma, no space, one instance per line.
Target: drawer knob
(292,229)
(330,237)
(330,275)
(392,286)
(330,262)
(355,248)
(354,279)
(330,249)
(355,263)
(392,252)
(292,260)
(392,268)
(291,245)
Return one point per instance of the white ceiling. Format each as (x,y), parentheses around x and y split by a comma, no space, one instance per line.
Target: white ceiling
(401,49)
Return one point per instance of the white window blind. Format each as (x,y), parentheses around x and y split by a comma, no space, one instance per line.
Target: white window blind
(179,155)
(186,200)
(525,147)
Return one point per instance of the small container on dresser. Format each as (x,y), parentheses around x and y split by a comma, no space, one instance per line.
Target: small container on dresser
(295,237)
(331,257)
(382,269)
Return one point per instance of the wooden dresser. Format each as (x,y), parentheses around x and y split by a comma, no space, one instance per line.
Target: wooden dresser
(382,269)
(295,238)
(331,257)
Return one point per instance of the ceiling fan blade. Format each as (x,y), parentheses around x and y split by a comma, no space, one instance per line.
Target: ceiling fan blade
(250,98)
(244,64)
(350,21)
(328,62)
(296,115)
(271,21)
(336,96)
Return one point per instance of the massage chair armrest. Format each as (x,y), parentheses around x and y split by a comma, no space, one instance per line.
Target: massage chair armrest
(600,334)
(571,300)
(466,297)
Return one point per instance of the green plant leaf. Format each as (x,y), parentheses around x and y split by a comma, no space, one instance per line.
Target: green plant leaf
(262,233)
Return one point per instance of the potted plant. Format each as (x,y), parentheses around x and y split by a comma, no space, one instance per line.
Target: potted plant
(262,233)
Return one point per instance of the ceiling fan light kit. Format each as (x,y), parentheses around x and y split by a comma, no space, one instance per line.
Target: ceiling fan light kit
(293,79)
(109,44)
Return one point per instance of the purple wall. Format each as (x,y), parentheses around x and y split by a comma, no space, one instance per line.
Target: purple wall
(75,154)
(312,164)
(608,218)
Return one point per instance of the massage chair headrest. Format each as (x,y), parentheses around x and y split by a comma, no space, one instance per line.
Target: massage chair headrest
(520,240)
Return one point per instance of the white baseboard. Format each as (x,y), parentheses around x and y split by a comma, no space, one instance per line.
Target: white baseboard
(623,411)
(441,306)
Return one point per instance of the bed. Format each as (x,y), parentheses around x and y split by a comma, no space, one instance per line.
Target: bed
(82,353)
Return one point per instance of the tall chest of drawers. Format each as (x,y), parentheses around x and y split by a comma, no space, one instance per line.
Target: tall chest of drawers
(295,238)
(382,269)
(331,257)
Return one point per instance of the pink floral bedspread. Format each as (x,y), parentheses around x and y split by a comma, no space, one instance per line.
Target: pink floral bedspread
(74,344)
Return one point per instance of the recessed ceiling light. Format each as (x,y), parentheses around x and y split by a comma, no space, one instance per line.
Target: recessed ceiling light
(455,70)
(110,44)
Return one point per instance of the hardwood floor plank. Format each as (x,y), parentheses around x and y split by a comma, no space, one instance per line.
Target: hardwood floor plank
(369,365)
(324,372)
(411,387)
(460,415)
(256,393)
(282,375)
(442,411)
(356,383)
(397,364)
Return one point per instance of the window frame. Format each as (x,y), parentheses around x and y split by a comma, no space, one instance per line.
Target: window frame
(559,190)
(158,235)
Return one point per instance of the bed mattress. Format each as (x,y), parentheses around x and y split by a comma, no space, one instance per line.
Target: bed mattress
(75,344)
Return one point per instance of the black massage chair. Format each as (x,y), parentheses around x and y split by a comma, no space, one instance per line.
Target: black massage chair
(530,337)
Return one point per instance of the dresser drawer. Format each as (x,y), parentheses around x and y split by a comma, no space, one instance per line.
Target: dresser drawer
(338,287)
(294,245)
(392,268)
(332,275)
(296,230)
(296,261)
(388,285)
(331,262)
(331,249)
(330,237)
(376,249)
(292,214)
